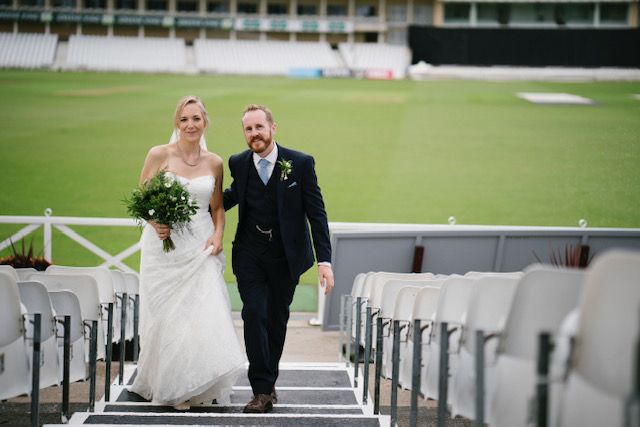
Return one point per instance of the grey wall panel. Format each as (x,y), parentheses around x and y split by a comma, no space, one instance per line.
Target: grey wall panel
(598,244)
(521,251)
(353,255)
(456,254)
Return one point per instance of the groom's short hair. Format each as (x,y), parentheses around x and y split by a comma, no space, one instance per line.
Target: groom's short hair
(255,107)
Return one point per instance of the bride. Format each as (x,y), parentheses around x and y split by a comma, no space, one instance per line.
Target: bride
(190,353)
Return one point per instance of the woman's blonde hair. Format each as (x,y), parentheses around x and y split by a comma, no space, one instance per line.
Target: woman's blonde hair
(190,99)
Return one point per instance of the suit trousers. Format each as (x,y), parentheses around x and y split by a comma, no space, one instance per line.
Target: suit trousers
(266,290)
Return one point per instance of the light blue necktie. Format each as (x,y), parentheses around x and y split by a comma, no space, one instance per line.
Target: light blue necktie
(263,170)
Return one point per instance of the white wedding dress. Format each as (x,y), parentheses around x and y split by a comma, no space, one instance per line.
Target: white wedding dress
(188,346)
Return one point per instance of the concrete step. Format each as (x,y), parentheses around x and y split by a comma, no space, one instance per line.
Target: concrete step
(308,394)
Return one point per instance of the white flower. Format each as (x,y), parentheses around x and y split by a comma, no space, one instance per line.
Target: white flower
(182,198)
(152,211)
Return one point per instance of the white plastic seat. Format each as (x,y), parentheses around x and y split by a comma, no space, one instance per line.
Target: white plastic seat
(402,312)
(24,273)
(604,359)
(133,289)
(65,303)
(452,307)
(103,278)
(36,299)
(7,269)
(544,297)
(488,310)
(375,281)
(86,289)
(424,309)
(390,292)
(14,376)
(119,288)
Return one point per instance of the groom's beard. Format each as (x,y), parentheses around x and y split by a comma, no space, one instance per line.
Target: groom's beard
(259,144)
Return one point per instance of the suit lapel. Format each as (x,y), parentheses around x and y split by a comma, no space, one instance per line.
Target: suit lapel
(282,154)
(243,176)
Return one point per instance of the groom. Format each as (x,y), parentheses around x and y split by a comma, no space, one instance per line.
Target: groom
(278,196)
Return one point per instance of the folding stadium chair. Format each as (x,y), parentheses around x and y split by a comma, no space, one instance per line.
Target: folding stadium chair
(133,321)
(381,306)
(452,307)
(424,310)
(14,364)
(66,303)
(107,294)
(603,378)
(35,298)
(7,269)
(488,309)
(427,299)
(122,302)
(543,299)
(24,273)
(402,312)
(86,289)
(364,337)
(70,343)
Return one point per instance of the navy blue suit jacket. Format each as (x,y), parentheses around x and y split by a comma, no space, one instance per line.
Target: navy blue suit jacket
(300,204)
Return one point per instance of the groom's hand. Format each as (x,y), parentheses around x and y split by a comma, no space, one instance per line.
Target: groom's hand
(325,274)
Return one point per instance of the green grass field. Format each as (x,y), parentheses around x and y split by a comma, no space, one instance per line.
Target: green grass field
(401,151)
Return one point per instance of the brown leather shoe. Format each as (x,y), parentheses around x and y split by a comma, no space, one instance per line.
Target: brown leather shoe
(274,396)
(260,404)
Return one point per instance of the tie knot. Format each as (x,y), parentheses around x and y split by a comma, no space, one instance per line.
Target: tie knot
(263,163)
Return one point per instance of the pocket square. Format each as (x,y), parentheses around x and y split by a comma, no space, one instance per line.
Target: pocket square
(293,184)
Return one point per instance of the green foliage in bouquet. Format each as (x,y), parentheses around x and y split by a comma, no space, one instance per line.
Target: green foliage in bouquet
(165,200)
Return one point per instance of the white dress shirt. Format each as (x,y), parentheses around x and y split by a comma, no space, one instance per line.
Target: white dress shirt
(272,158)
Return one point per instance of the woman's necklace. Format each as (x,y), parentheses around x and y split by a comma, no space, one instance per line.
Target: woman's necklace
(183,159)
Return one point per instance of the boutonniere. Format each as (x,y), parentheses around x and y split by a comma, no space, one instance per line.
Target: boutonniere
(286,167)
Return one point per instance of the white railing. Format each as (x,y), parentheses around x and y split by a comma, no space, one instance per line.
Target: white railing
(62,223)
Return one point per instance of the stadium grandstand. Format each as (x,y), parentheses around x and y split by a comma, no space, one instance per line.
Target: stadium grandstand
(309,38)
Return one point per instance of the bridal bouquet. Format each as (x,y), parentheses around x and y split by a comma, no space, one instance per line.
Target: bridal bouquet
(164,200)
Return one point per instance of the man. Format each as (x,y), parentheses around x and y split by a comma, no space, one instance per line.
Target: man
(278,196)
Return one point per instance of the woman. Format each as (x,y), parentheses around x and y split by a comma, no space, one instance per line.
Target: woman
(189,350)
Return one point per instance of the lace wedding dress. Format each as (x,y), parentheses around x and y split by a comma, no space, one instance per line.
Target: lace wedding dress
(189,348)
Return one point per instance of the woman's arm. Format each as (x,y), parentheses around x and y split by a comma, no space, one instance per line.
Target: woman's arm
(154,161)
(217,207)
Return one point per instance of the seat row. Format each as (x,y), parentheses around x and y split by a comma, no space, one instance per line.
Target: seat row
(101,307)
(139,54)
(479,343)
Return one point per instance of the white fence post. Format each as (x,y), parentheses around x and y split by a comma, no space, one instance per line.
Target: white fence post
(47,235)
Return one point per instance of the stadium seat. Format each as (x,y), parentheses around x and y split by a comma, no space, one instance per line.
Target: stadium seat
(133,289)
(66,303)
(7,269)
(604,363)
(128,54)
(25,50)
(14,376)
(424,308)
(86,289)
(543,299)
(454,300)
(489,306)
(24,273)
(103,278)
(262,57)
(36,299)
